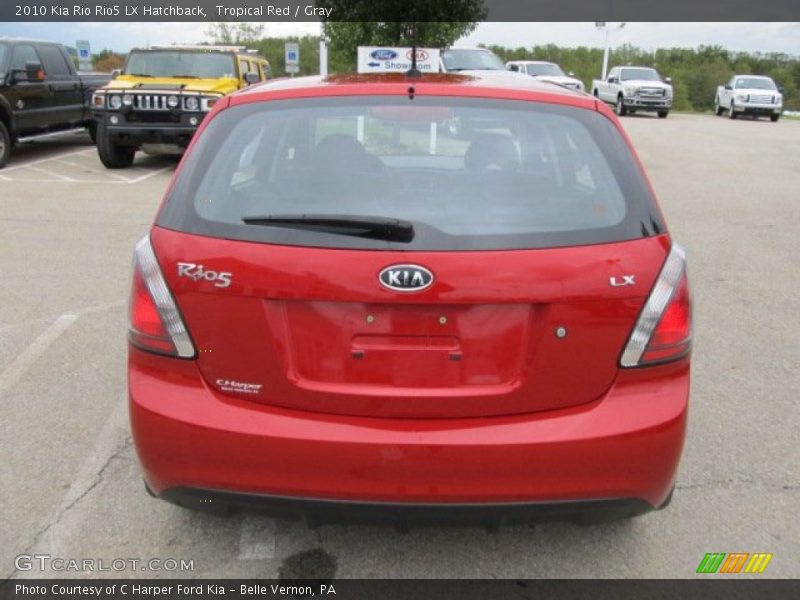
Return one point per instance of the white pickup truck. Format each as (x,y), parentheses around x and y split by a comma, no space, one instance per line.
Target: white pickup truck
(749,94)
(631,89)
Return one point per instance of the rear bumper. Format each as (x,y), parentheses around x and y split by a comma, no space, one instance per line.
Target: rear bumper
(622,449)
(315,511)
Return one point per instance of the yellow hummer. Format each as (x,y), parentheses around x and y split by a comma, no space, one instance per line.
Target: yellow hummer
(163,93)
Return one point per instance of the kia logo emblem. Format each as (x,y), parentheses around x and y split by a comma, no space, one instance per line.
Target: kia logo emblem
(406,278)
(422,56)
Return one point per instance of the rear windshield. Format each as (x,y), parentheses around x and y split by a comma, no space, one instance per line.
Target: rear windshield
(468,174)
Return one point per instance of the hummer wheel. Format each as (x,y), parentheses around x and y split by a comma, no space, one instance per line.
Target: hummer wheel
(113,156)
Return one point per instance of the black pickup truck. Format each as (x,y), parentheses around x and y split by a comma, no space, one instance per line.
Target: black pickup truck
(41,93)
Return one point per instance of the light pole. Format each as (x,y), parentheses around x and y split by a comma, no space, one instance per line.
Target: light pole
(607,27)
(323,55)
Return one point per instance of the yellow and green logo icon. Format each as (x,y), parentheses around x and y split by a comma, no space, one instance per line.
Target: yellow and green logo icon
(734,562)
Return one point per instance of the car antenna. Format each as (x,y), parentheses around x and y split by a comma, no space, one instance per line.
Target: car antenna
(413,72)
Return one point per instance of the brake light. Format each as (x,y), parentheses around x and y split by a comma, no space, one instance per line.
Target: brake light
(663,331)
(155,323)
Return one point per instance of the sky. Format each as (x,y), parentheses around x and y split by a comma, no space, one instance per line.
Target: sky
(749,37)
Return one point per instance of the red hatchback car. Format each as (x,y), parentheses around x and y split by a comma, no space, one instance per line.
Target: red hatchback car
(347,312)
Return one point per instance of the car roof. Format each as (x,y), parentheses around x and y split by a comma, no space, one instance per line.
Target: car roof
(16,40)
(489,84)
(753,76)
(239,50)
(472,48)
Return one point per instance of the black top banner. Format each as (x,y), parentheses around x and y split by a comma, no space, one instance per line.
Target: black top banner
(396,10)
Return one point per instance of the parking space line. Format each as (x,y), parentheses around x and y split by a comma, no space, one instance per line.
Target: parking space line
(40,161)
(87,310)
(53,174)
(84,168)
(112,439)
(14,372)
(97,181)
(148,175)
(141,173)
(257,539)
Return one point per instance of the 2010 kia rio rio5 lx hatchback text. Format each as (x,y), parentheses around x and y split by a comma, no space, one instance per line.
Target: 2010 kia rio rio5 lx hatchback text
(347,308)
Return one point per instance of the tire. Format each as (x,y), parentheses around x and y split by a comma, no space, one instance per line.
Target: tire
(112,155)
(5,144)
(91,129)
(774,118)
(663,114)
(718,110)
(731,113)
(620,108)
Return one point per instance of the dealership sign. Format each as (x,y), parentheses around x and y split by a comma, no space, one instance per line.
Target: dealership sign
(386,59)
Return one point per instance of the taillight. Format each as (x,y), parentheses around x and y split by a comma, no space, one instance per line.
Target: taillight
(663,331)
(155,323)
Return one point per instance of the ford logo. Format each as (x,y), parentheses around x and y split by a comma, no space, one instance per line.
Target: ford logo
(383,54)
(406,278)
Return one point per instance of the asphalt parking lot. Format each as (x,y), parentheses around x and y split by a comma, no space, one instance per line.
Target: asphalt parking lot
(69,480)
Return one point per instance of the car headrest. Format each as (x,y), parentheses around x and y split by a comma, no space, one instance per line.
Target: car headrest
(340,152)
(492,152)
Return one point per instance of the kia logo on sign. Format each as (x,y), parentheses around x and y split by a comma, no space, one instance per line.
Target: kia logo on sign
(422,56)
(406,278)
(383,54)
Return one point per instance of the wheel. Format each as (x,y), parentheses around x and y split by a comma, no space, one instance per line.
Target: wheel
(774,118)
(5,144)
(718,110)
(631,111)
(731,112)
(662,114)
(620,107)
(91,129)
(113,156)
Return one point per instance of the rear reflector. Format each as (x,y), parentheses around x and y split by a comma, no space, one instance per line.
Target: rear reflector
(155,323)
(664,329)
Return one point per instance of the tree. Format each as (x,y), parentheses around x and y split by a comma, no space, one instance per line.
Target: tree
(234,33)
(106,61)
(353,23)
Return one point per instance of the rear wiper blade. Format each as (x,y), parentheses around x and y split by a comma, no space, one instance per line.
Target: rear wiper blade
(139,75)
(376,228)
(185,76)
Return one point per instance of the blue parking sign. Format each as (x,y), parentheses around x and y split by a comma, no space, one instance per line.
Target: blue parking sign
(84,54)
